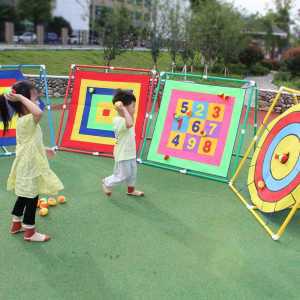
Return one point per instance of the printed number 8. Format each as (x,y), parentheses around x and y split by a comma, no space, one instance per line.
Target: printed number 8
(207,146)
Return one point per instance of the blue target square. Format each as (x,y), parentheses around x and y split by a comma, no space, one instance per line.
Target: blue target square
(84,128)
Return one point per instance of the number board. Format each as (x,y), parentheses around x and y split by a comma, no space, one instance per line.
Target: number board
(197,126)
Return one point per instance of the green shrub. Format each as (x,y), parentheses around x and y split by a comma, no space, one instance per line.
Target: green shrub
(251,55)
(291,58)
(259,70)
(271,64)
(283,76)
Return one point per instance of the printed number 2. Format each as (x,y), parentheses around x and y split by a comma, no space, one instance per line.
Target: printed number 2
(200,110)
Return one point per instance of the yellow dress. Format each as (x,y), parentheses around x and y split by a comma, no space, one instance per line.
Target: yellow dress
(30,174)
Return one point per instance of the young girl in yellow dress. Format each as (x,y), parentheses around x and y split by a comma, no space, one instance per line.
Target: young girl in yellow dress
(30,174)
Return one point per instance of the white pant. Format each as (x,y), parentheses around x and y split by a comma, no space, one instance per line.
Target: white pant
(124,171)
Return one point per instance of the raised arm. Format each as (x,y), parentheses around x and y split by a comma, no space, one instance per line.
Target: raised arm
(28,104)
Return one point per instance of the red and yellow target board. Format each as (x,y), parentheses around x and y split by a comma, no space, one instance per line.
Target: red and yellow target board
(274,173)
(90,112)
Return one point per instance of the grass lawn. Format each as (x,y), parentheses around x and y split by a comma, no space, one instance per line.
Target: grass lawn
(188,238)
(58,62)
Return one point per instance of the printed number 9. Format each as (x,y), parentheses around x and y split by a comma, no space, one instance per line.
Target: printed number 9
(191,143)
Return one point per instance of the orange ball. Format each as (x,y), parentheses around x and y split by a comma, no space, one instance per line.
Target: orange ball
(40,201)
(43,204)
(261,184)
(61,199)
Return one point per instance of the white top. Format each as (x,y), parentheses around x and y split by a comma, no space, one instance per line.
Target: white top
(125,148)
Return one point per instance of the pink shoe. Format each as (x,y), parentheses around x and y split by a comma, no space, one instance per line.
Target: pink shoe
(31,235)
(16,227)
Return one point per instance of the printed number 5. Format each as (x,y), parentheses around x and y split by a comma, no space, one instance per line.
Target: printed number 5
(184,107)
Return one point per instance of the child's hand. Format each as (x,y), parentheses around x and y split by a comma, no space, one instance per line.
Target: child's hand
(50,152)
(119,105)
(13,97)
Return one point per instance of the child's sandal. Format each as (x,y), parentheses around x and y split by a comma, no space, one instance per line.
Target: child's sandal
(107,191)
(31,235)
(16,227)
(136,193)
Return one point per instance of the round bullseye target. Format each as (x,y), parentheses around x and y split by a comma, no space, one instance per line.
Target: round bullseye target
(274,174)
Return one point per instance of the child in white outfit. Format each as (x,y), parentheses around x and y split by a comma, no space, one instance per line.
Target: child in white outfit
(125,169)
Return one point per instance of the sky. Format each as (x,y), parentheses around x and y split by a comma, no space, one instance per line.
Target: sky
(261,6)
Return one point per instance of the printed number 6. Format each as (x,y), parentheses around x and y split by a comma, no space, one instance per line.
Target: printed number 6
(196,126)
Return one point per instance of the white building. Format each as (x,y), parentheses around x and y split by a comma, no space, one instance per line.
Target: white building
(76,12)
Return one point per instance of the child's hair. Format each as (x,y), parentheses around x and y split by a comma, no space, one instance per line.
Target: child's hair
(21,87)
(125,96)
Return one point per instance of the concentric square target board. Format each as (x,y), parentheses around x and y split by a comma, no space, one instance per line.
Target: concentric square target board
(196,127)
(89,125)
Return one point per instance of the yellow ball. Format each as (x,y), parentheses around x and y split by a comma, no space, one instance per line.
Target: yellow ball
(52,201)
(61,199)
(43,212)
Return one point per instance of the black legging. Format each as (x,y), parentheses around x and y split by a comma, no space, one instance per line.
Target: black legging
(26,206)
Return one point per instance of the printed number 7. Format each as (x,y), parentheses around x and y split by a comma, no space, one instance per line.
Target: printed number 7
(213,127)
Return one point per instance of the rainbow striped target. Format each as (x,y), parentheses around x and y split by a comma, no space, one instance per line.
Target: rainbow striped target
(274,174)
(89,125)
(7,79)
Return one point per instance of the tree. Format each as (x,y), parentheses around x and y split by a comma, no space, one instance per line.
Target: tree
(157,29)
(217,32)
(57,23)
(174,30)
(251,55)
(7,14)
(113,25)
(36,11)
(197,4)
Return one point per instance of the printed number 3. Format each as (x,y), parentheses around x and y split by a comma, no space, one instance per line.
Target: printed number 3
(217,110)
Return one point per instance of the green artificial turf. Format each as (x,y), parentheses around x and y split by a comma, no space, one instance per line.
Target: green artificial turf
(188,238)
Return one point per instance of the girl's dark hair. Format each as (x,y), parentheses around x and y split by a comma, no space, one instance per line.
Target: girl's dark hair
(125,96)
(21,87)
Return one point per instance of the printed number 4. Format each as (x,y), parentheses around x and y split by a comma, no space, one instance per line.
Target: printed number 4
(175,141)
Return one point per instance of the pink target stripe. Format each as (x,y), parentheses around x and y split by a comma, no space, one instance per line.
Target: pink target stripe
(225,124)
